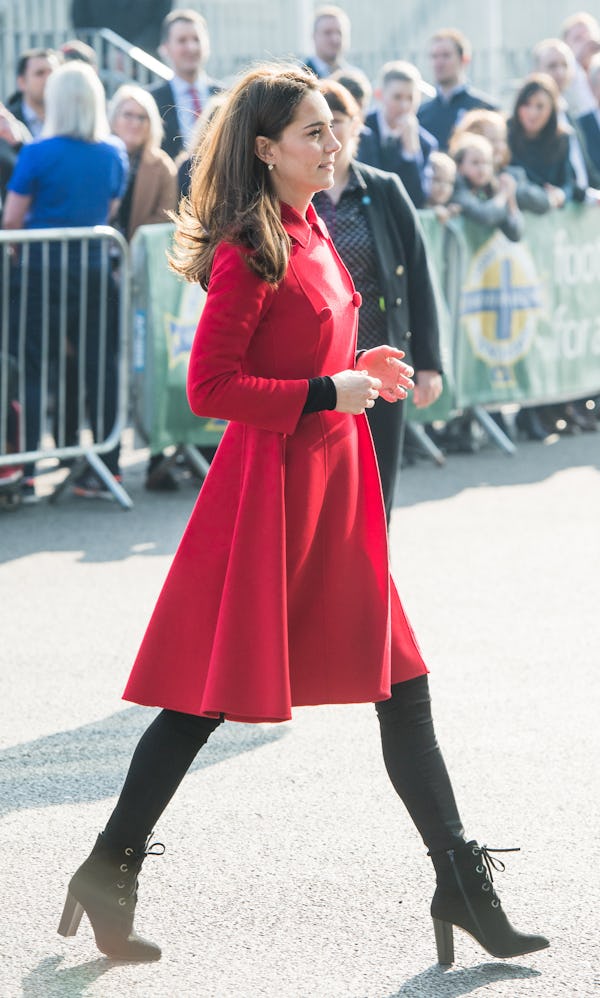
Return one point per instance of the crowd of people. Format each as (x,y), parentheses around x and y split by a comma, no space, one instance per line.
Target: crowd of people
(450,147)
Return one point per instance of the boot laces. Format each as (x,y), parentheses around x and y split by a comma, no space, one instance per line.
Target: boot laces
(491,862)
(154,849)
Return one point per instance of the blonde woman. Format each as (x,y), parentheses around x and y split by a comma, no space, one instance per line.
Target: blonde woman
(72,176)
(151,190)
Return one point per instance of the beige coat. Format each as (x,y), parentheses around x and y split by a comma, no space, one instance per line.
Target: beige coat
(155,190)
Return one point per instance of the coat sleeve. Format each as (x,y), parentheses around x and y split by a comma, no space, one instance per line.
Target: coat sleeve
(218,384)
(490,211)
(513,226)
(530,196)
(424,324)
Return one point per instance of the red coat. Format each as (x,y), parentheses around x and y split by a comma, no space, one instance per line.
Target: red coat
(280,592)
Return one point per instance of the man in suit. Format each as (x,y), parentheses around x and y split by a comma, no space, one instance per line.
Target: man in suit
(185,45)
(393,140)
(590,123)
(450,54)
(27,104)
(331,39)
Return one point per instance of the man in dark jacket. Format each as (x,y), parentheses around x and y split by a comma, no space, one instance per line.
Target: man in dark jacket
(27,104)
(450,54)
(393,139)
(185,46)
(589,124)
(331,38)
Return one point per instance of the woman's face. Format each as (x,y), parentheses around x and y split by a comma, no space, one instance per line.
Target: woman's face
(535,113)
(303,157)
(132,124)
(346,130)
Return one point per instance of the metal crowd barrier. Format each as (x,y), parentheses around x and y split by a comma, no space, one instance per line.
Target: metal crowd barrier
(63,364)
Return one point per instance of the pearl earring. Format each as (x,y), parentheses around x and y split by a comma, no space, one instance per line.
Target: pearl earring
(269,166)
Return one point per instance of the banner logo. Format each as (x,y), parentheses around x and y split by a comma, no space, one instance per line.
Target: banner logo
(500,302)
(180,328)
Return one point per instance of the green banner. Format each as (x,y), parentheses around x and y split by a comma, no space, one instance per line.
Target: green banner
(519,322)
(165,315)
(436,239)
(528,320)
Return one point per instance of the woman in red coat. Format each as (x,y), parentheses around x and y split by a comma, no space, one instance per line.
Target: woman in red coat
(280,592)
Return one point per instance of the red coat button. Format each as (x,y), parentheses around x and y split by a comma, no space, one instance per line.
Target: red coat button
(325,314)
(357,299)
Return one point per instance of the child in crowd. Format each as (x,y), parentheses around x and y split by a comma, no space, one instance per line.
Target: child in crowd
(441,177)
(492,125)
(483,196)
(396,142)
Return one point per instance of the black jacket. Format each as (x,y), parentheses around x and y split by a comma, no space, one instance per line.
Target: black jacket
(439,116)
(591,167)
(14,104)
(589,128)
(165,98)
(411,314)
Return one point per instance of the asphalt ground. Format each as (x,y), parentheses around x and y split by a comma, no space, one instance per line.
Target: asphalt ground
(291,869)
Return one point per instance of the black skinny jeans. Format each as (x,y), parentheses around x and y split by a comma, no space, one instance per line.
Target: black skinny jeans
(387,429)
(411,753)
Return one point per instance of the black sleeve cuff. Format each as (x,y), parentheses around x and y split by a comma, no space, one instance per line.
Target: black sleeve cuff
(321,395)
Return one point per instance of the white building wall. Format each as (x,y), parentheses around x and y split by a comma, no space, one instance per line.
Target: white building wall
(243,31)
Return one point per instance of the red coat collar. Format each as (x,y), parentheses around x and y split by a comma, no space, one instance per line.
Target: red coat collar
(298,228)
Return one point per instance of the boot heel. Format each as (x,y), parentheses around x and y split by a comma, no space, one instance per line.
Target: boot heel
(444,941)
(71,916)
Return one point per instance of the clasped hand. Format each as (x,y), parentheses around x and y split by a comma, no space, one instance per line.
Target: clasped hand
(379,373)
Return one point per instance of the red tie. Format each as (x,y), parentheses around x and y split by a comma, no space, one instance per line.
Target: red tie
(196,102)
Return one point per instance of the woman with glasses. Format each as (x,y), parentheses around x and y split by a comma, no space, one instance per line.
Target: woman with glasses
(151,190)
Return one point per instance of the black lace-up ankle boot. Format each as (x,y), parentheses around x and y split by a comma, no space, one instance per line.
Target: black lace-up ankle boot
(465,898)
(105,887)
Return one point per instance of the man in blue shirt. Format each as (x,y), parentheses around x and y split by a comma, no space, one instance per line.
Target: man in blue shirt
(450,54)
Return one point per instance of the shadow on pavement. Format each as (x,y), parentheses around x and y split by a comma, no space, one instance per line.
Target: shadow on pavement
(441,983)
(533,462)
(89,763)
(98,530)
(49,980)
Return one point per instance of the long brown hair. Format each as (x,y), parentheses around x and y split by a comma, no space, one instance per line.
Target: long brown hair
(231,195)
(551,141)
